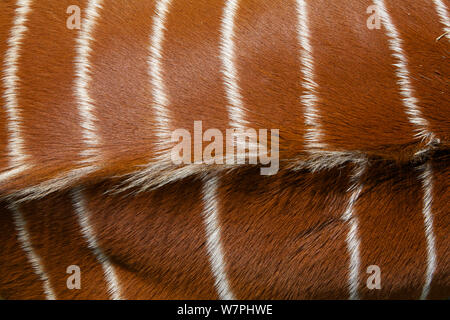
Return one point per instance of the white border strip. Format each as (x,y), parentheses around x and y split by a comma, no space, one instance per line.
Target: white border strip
(83,79)
(309,98)
(427,186)
(236,110)
(33,257)
(10,81)
(161,101)
(213,242)
(406,89)
(353,241)
(87,230)
(442,11)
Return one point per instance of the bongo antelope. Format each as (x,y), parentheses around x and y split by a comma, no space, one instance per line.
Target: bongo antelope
(86,177)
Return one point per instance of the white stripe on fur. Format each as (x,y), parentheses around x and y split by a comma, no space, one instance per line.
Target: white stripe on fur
(17,156)
(33,257)
(353,241)
(442,11)
(11,173)
(161,102)
(88,232)
(86,105)
(236,110)
(213,242)
(426,178)
(314,134)
(410,103)
(144,178)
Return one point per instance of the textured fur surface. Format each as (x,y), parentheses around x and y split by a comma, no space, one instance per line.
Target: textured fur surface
(283,237)
(360,106)
(364,132)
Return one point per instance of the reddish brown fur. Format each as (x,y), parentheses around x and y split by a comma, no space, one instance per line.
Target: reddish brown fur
(287,241)
(57,239)
(167,235)
(192,65)
(47,103)
(17,280)
(429,70)
(354,65)
(392,232)
(358,95)
(441,282)
(283,236)
(126,140)
(270,73)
